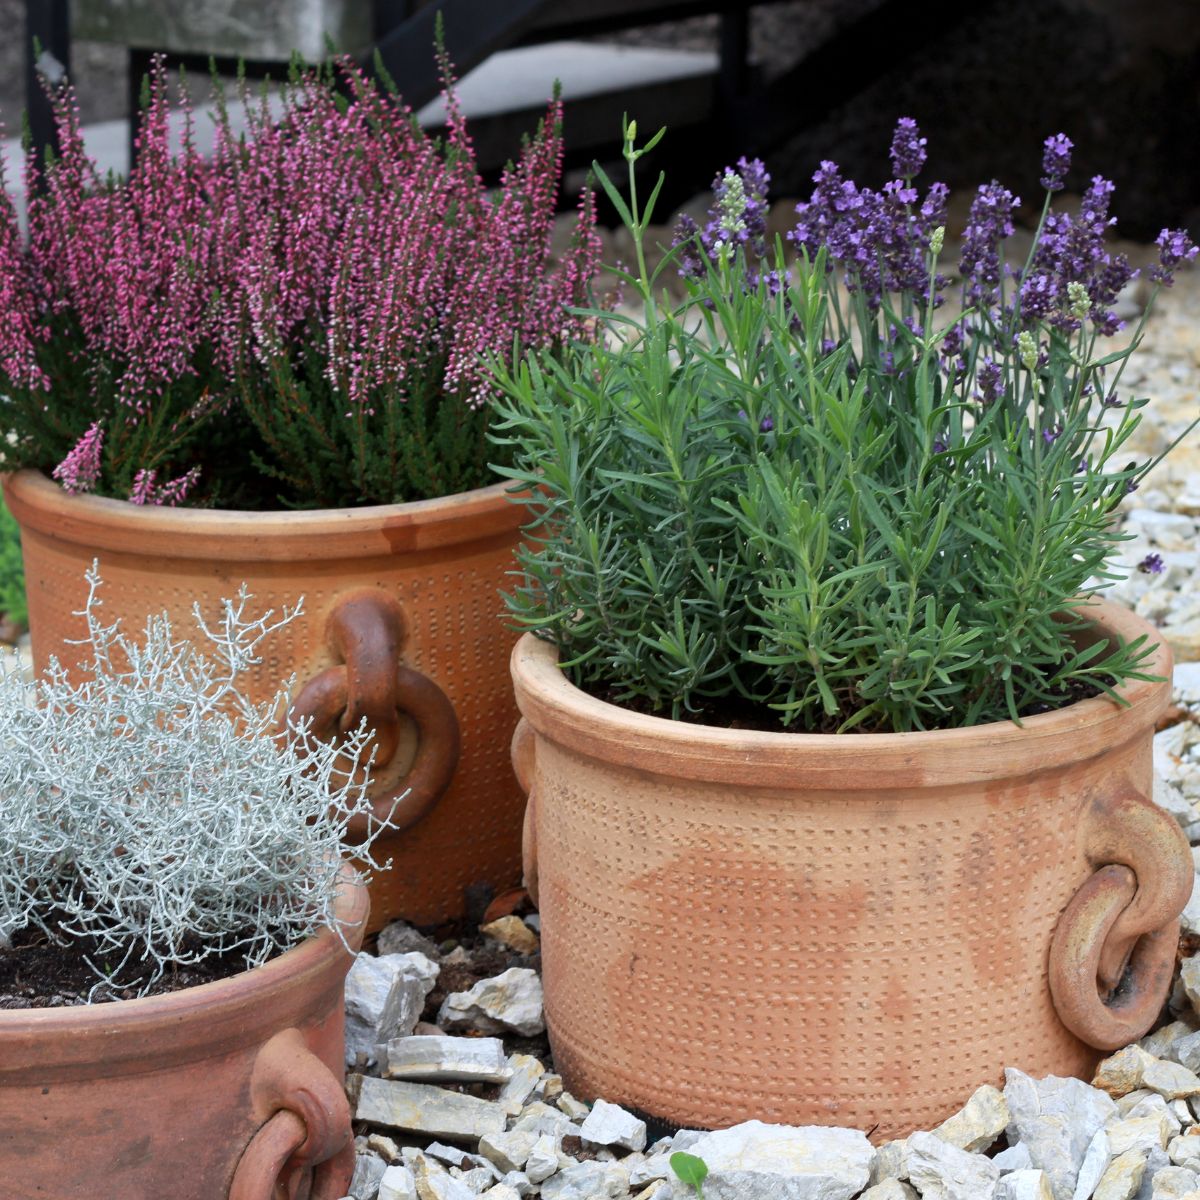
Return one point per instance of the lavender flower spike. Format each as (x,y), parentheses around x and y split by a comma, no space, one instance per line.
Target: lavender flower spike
(1056,161)
(1174,249)
(908,149)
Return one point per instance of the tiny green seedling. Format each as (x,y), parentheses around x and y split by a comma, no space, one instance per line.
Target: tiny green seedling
(690,1169)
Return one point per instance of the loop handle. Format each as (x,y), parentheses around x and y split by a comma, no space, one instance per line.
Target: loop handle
(1113,952)
(365,631)
(305,1146)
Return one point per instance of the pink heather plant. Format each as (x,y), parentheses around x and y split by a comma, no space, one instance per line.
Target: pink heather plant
(303,319)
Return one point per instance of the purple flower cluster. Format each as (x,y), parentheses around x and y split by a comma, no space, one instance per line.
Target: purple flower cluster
(881,240)
(988,223)
(908,149)
(1174,248)
(736,220)
(1073,276)
(1056,161)
(1152,564)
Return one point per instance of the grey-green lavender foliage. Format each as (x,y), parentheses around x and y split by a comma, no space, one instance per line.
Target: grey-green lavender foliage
(154,810)
(769,498)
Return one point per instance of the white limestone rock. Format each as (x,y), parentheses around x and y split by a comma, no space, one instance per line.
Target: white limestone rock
(447,1060)
(439,1185)
(369,1169)
(1133,1068)
(1056,1119)
(575,1109)
(978,1123)
(1024,1185)
(524,1073)
(1185,1148)
(1139,1133)
(889,1189)
(501,1191)
(756,1161)
(610,1125)
(1164,1042)
(541,1118)
(511,1001)
(543,1160)
(384,999)
(1174,1183)
(1154,1105)
(940,1171)
(398,1183)
(1015,1158)
(1095,1163)
(508,1150)
(1186,1051)
(1123,1178)
(401,938)
(418,1108)
(589,1181)
(891,1161)
(520,1183)
(479,1179)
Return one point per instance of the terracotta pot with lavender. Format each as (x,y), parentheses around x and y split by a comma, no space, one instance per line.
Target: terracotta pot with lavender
(116,1079)
(273,366)
(836,766)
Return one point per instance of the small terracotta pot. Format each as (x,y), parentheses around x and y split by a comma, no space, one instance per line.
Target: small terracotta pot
(855,930)
(402,625)
(228,1090)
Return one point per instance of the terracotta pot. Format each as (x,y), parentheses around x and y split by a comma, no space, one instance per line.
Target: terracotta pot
(854,930)
(231,1089)
(402,624)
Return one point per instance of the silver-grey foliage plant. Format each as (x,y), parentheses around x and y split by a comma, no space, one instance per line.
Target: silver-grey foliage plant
(153,809)
(799,490)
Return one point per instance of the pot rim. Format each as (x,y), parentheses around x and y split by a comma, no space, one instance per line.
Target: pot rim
(209,1019)
(853,762)
(238,535)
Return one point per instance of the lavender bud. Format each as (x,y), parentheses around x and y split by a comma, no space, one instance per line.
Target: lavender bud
(1152,564)
(1056,159)
(1080,301)
(908,149)
(1027,348)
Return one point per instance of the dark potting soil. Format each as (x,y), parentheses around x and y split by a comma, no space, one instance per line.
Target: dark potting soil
(37,973)
(735,712)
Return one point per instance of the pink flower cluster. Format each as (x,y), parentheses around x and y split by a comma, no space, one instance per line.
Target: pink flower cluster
(332,227)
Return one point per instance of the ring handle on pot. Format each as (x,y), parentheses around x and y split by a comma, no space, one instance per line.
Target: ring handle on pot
(306,1134)
(365,631)
(524,745)
(1113,952)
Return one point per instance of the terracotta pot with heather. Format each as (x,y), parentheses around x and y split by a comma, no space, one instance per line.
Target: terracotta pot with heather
(274,365)
(835,760)
(203,851)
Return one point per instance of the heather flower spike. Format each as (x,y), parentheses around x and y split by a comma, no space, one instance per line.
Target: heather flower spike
(80,470)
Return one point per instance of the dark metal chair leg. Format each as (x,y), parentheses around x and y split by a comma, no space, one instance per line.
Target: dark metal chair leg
(48,27)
